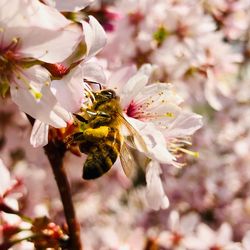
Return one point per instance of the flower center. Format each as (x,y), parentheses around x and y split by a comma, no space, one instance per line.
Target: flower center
(215,248)
(132,110)
(176,238)
(12,67)
(8,61)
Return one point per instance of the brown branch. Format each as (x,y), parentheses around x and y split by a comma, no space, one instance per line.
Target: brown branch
(55,152)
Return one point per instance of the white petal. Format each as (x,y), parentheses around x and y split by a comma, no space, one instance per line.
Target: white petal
(46,109)
(35,76)
(210,92)
(246,240)
(224,234)
(39,134)
(155,141)
(69,91)
(5,178)
(51,46)
(194,243)
(95,36)
(162,91)
(30,13)
(93,72)
(119,78)
(164,239)
(188,223)
(234,246)
(44,33)
(132,88)
(155,194)
(72,5)
(146,69)
(206,234)
(185,124)
(174,221)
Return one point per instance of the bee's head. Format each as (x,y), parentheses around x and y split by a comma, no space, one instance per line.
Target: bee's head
(106,95)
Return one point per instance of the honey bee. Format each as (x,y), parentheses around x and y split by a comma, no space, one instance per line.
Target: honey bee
(99,135)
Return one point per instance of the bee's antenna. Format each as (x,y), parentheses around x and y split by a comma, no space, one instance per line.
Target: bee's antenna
(92,82)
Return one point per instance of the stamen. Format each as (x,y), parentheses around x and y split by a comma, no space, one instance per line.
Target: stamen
(24,80)
(15,40)
(189,152)
(169,114)
(35,93)
(38,95)
(13,44)
(2,38)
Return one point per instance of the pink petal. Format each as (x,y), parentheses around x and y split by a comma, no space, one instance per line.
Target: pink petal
(73,5)
(132,88)
(93,72)
(119,78)
(69,91)
(95,36)
(39,134)
(46,108)
(51,46)
(155,194)
(185,124)
(44,33)
(5,178)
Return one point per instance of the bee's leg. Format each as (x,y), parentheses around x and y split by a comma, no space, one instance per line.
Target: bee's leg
(78,137)
(98,113)
(74,138)
(92,82)
(80,118)
(99,118)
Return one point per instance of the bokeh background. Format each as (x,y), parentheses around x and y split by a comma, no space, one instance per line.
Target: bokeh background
(203,49)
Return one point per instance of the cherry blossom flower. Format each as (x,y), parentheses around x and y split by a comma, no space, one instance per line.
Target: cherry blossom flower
(69,91)
(208,239)
(151,107)
(26,39)
(70,94)
(8,198)
(246,240)
(154,110)
(202,48)
(180,229)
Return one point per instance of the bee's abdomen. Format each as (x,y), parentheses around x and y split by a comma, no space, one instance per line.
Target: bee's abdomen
(101,158)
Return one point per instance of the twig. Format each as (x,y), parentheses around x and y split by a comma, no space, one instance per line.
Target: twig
(55,152)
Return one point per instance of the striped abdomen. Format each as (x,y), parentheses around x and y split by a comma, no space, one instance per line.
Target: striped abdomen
(102,155)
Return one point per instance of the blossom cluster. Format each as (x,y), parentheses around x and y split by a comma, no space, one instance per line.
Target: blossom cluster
(177,66)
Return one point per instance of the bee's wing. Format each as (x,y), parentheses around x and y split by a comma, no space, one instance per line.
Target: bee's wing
(133,163)
(134,138)
(133,159)
(127,160)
